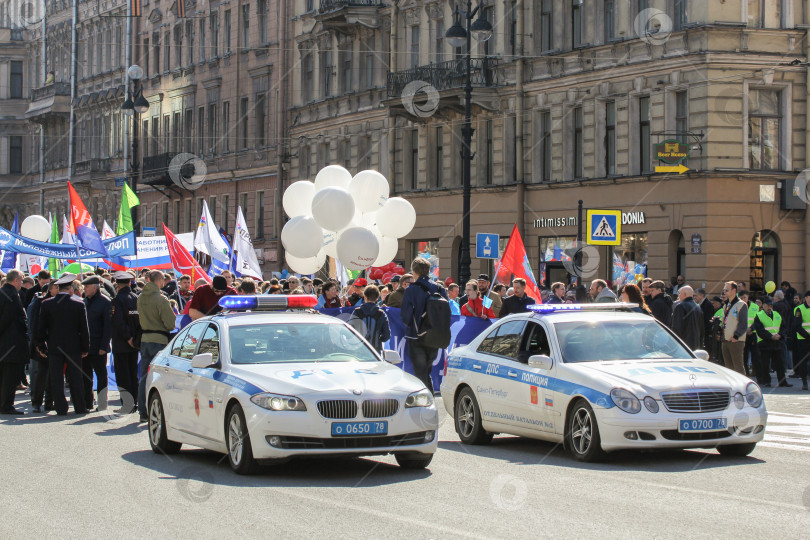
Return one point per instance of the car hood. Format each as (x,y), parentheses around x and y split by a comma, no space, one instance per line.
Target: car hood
(655,376)
(340,378)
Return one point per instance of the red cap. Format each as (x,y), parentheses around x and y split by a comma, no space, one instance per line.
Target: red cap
(360,282)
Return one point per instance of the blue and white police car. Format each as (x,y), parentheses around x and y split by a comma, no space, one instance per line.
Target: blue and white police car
(598,378)
(268,379)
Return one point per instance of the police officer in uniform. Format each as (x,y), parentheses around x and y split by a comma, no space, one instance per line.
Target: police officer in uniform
(40,385)
(13,340)
(63,336)
(801,325)
(126,335)
(99,309)
(767,324)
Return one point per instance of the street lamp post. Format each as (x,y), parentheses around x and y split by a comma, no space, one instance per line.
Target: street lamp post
(134,106)
(459,36)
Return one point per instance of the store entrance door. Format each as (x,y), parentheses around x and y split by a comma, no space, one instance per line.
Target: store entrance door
(556,272)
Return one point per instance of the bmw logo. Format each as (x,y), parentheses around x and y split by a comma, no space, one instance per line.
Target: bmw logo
(356,391)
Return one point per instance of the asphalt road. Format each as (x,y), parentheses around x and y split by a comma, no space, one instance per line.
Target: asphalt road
(97,476)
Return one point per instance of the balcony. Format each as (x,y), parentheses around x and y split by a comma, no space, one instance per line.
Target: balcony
(344,13)
(156,169)
(92,166)
(49,101)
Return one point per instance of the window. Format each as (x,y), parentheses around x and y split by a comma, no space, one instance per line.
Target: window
(16,80)
(439,157)
(324,157)
(178,342)
(506,342)
(364,159)
(190,41)
(212,128)
(488,152)
(176,216)
(764,260)
(610,20)
(534,343)
(167,134)
(210,343)
(214,22)
(681,113)
(226,215)
(368,63)
(243,126)
(679,15)
(246,26)
(155,50)
(191,339)
(304,157)
(644,134)
(154,215)
(165,208)
(212,208)
(227,37)
(610,138)
(189,129)
(439,53)
(15,154)
(226,126)
(346,68)
(514,13)
(414,163)
(167,39)
(189,216)
(203,52)
(307,78)
(578,149)
(178,45)
(145,131)
(261,9)
(347,153)
(260,214)
(200,132)
(764,125)
(176,133)
(545,145)
(632,254)
(326,73)
(486,345)
(261,120)
(155,135)
(546,27)
(764,13)
(576,23)
(310,6)
(146,69)
(200,202)
(244,204)
(414,49)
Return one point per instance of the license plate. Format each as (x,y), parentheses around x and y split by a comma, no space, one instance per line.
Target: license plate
(702,424)
(354,429)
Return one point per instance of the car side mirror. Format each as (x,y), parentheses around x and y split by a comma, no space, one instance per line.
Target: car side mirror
(541,361)
(202,361)
(392,357)
(700,353)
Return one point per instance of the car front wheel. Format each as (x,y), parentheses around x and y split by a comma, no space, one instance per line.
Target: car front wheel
(413,461)
(582,434)
(468,419)
(157,428)
(240,452)
(736,450)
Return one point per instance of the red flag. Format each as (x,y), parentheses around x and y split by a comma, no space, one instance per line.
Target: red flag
(515,261)
(81,224)
(182,260)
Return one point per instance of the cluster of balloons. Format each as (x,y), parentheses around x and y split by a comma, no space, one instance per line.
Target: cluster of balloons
(348,218)
(386,272)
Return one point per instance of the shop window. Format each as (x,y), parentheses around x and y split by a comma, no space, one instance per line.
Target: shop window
(764,265)
(428,250)
(554,252)
(630,259)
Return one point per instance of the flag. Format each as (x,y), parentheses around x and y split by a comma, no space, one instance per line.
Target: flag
(217,267)
(136,8)
(181,9)
(246,261)
(182,261)
(128,200)
(67,234)
(106,231)
(81,224)
(9,260)
(208,239)
(515,261)
(54,265)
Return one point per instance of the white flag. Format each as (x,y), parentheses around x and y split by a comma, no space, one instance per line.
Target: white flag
(106,231)
(67,236)
(246,262)
(208,239)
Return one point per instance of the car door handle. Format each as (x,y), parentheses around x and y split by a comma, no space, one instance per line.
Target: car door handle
(476,366)
(513,374)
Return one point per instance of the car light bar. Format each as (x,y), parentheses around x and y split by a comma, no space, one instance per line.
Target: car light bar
(552,308)
(274,302)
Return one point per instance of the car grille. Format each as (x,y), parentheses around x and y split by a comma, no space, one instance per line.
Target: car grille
(338,408)
(338,443)
(380,408)
(696,401)
(675,435)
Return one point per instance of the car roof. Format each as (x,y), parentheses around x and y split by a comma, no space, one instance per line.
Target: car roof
(244,318)
(593,316)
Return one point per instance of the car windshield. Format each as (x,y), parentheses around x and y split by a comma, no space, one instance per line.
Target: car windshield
(594,341)
(297,342)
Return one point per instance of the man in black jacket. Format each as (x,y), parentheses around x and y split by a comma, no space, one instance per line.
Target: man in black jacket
(518,302)
(661,305)
(40,387)
(687,319)
(99,318)
(126,329)
(13,341)
(62,335)
(708,310)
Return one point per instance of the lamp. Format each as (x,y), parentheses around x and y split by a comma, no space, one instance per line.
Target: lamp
(141,105)
(128,107)
(481,29)
(456,35)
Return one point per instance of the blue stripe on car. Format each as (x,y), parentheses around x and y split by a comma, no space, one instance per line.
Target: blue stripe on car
(492,369)
(216,375)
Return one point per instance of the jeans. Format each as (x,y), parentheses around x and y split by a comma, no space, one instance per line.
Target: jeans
(422,361)
(148,352)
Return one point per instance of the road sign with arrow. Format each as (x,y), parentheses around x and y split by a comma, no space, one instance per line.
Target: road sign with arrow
(486,246)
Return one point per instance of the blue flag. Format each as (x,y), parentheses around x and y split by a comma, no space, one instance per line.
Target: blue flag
(10,257)
(217,267)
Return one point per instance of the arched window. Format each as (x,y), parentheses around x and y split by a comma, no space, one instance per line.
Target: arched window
(764,266)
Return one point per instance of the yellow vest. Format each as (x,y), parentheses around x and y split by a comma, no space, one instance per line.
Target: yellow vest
(805,314)
(771,324)
(753,308)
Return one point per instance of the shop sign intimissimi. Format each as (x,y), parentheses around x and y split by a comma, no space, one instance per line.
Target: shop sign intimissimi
(628,218)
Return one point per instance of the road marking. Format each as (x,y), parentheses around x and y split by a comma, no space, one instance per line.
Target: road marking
(788,432)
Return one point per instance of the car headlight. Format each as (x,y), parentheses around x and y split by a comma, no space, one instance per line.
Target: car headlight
(651,404)
(276,402)
(753,395)
(422,398)
(739,400)
(625,400)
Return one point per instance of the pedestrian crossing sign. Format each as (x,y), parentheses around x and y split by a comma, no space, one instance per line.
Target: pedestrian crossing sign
(605,227)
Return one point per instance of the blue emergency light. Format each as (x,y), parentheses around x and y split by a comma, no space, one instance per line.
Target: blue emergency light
(273,302)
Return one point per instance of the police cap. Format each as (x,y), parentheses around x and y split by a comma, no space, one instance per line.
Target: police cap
(66,279)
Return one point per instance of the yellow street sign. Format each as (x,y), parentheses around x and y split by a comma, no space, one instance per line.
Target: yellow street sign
(680,169)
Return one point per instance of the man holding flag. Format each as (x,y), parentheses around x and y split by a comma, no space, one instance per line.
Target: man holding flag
(515,261)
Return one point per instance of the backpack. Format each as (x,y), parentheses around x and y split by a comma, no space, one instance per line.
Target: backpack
(368,326)
(434,328)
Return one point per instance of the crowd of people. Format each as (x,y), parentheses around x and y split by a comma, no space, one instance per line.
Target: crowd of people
(54,331)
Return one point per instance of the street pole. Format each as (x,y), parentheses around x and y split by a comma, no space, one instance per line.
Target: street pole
(133,166)
(467,133)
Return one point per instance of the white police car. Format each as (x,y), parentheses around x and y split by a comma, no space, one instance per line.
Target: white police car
(598,378)
(265,387)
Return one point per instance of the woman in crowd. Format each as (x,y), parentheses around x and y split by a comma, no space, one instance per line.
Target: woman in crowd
(632,294)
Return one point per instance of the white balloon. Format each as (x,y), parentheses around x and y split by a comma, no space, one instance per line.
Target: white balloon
(388,250)
(36,228)
(308,265)
(370,190)
(333,208)
(330,243)
(357,248)
(396,218)
(297,199)
(332,175)
(368,219)
(302,237)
